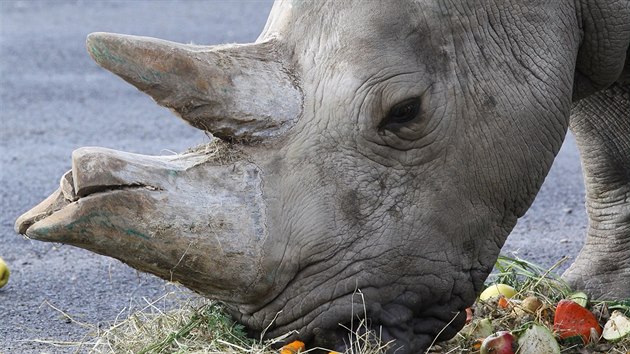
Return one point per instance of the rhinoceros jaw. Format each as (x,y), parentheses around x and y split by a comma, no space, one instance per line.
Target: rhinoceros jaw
(66,195)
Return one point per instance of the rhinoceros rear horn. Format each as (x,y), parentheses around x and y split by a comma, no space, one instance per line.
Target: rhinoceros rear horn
(237,92)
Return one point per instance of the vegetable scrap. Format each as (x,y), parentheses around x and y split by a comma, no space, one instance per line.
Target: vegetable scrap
(536,340)
(617,327)
(294,347)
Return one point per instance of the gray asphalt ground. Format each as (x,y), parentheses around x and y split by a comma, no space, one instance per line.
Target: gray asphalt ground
(54,99)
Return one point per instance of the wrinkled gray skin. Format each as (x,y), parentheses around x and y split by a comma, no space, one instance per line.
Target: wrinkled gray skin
(325,193)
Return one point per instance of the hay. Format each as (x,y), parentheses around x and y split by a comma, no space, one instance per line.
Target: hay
(218,152)
(195,325)
(201,326)
(181,322)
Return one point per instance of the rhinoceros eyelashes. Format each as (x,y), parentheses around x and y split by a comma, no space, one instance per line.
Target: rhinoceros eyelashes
(402,112)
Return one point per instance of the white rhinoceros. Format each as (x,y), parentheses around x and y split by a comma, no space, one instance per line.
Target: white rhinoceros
(383,146)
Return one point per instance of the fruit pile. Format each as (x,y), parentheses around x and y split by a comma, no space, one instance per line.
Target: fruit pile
(508,323)
(538,313)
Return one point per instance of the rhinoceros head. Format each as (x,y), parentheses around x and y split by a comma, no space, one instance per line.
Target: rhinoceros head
(386,149)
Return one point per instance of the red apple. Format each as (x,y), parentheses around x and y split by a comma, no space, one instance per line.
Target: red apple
(502,342)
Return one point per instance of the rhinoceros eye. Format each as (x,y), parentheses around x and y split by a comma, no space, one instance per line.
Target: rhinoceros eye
(402,112)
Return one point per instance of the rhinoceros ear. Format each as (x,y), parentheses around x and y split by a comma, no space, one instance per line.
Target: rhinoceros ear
(237,92)
(605,26)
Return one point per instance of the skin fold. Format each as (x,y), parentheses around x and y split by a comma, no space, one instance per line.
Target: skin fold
(373,159)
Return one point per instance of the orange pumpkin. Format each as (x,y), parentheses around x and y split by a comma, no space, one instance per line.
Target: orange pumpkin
(293,348)
(573,320)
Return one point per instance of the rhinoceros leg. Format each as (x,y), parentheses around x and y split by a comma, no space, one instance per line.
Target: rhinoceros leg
(601,124)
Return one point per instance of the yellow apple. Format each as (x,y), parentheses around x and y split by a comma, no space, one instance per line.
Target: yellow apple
(4,273)
(496,290)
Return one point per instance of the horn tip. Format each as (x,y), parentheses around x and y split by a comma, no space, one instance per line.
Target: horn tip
(95,46)
(102,47)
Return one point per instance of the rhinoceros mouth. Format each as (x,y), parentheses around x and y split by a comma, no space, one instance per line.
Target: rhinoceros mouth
(66,196)
(97,190)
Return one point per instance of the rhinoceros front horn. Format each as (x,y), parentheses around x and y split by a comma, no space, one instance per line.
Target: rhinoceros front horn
(236,92)
(188,218)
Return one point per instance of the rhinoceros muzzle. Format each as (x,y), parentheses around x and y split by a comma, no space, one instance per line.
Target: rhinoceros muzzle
(181,217)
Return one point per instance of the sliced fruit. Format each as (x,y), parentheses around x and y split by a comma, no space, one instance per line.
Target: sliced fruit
(536,340)
(571,319)
(478,328)
(579,298)
(617,327)
(496,290)
(502,342)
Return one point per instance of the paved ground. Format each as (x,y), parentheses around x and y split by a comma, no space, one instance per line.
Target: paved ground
(54,99)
